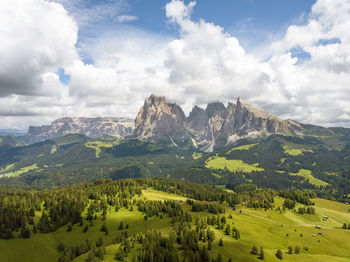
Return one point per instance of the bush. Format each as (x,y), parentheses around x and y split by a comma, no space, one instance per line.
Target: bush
(279,254)
(254,250)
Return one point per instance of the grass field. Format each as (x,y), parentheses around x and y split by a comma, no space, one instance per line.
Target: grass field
(232,165)
(307,174)
(97,145)
(272,229)
(7,168)
(244,147)
(21,171)
(151,194)
(53,150)
(196,155)
(295,150)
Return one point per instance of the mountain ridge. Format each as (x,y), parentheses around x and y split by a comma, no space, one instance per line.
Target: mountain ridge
(213,127)
(92,127)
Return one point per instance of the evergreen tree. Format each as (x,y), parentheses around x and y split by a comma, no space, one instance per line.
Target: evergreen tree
(262,254)
(219,259)
(209,245)
(204,254)
(228,230)
(279,254)
(221,243)
(254,250)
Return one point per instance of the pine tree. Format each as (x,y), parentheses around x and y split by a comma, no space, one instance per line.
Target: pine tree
(221,243)
(254,250)
(279,254)
(219,259)
(209,245)
(228,230)
(290,250)
(262,254)
(297,250)
(204,254)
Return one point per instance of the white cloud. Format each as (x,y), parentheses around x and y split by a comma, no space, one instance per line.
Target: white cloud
(126,18)
(36,37)
(202,65)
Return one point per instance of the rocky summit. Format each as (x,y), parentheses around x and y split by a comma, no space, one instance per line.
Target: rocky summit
(214,127)
(92,127)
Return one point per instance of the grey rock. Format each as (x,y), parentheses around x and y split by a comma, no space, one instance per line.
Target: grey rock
(92,127)
(216,126)
(160,121)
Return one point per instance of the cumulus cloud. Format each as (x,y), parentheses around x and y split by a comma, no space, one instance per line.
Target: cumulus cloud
(36,37)
(306,77)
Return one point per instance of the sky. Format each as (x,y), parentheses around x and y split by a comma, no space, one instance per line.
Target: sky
(104,57)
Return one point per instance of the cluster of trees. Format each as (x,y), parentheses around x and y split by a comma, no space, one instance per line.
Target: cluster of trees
(288,203)
(295,250)
(255,251)
(346,226)
(69,253)
(302,197)
(156,208)
(211,208)
(306,210)
(60,207)
(64,206)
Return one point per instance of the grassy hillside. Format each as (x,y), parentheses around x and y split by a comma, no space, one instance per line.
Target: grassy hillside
(318,161)
(271,228)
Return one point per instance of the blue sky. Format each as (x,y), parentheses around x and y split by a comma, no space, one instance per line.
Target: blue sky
(103,58)
(251,21)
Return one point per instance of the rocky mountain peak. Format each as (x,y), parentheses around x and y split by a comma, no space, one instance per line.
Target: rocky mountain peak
(197,119)
(214,127)
(158,120)
(215,108)
(243,105)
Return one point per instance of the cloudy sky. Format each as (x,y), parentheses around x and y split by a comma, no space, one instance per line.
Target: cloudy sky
(104,57)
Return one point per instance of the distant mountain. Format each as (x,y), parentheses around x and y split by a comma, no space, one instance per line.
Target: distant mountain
(92,127)
(7,142)
(215,127)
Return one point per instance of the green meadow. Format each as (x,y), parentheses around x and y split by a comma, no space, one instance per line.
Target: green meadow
(272,229)
(307,174)
(295,150)
(19,172)
(97,145)
(233,165)
(244,147)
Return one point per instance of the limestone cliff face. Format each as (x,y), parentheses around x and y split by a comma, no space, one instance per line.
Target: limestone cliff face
(214,127)
(92,127)
(160,121)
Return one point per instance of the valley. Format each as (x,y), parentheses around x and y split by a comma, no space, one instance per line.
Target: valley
(272,228)
(201,188)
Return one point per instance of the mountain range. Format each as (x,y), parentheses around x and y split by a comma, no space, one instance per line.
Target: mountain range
(219,145)
(214,127)
(92,127)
